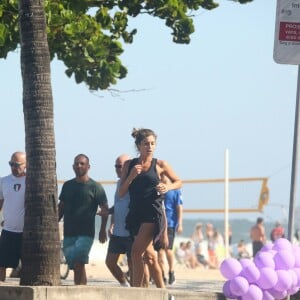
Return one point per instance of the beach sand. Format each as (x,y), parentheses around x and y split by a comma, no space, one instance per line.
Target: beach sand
(98,272)
(96,269)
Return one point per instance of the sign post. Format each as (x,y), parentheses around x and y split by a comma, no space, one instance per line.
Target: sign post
(287,32)
(287,51)
(226,203)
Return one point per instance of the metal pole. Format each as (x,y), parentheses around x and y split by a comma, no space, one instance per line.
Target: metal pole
(226,205)
(294,164)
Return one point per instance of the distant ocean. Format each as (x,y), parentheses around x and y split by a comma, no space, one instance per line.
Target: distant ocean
(240,228)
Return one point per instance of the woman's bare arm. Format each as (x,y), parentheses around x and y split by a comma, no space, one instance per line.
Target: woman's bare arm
(126,178)
(174,182)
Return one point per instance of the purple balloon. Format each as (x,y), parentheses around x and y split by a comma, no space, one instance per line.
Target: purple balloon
(282,244)
(268,278)
(277,294)
(239,286)
(230,268)
(284,259)
(264,259)
(226,290)
(250,272)
(294,277)
(293,290)
(297,272)
(266,247)
(245,262)
(272,252)
(254,293)
(284,281)
(296,252)
(267,295)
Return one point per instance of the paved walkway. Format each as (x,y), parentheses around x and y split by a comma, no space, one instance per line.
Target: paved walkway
(181,290)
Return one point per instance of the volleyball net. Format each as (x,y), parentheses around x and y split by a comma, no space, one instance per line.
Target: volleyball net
(245,195)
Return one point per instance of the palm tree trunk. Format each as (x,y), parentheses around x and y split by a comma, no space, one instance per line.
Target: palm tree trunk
(40,265)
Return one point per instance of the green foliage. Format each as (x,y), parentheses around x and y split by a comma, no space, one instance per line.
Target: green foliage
(9,27)
(80,41)
(86,34)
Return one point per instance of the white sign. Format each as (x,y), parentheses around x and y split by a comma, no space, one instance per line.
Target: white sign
(287,32)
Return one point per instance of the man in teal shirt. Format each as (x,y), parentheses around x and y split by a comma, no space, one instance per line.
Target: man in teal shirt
(80,198)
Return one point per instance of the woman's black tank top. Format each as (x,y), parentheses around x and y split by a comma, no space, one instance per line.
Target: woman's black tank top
(142,189)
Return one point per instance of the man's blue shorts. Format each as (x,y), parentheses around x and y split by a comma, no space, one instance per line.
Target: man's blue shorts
(77,249)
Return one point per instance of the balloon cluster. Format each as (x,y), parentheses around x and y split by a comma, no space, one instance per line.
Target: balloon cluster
(274,273)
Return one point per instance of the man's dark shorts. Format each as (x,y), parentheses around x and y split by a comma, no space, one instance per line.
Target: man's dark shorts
(120,245)
(256,246)
(171,236)
(10,248)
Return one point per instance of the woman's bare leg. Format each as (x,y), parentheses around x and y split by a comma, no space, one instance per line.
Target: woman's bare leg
(141,242)
(154,267)
(146,278)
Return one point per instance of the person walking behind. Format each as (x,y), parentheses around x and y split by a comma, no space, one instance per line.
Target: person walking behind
(120,241)
(12,198)
(257,235)
(173,209)
(277,232)
(141,177)
(80,198)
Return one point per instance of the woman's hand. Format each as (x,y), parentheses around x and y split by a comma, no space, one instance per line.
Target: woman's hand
(135,171)
(161,188)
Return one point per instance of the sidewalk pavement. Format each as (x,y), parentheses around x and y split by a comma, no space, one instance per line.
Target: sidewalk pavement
(107,289)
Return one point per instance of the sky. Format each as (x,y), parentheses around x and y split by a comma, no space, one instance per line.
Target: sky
(222,91)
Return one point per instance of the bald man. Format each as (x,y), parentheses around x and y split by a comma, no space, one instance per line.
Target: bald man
(12,198)
(120,241)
